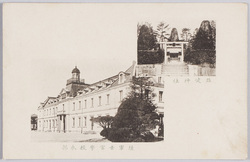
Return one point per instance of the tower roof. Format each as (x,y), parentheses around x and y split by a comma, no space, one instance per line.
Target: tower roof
(75,70)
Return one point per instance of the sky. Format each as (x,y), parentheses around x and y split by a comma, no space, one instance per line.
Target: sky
(43,43)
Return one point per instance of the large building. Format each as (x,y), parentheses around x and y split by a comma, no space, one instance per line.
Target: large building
(78,103)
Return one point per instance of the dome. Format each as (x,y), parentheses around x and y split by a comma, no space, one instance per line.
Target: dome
(75,70)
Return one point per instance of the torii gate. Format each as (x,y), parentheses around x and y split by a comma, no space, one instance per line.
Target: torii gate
(173,51)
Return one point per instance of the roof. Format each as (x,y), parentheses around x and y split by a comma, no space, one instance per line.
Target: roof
(100,85)
(130,70)
(34,115)
(46,101)
(76,70)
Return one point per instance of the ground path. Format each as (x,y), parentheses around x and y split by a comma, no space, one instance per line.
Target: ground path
(66,137)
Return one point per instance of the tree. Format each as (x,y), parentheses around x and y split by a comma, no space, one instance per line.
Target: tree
(136,115)
(205,37)
(202,47)
(174,35)
(148,51)
(213,26)
(138,29)
(104,121)
(146,38)
(195,32)
(161,32)
(186,35)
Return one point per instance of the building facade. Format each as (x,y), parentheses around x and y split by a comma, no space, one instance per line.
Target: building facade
(78,103)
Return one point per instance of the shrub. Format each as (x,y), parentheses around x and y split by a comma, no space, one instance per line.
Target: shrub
(199,57)
(148,136)
(139,139)
(127,135)
(150,57)
(105,132)
(121,135)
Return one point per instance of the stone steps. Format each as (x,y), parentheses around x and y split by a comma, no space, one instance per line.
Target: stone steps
(175,70)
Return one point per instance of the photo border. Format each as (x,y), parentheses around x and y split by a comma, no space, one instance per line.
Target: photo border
(113,1)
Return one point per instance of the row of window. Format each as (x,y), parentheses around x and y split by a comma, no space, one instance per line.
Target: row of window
(53,123)
(92,101)
(79,123)
(54,110)
(49,123)
(49,112)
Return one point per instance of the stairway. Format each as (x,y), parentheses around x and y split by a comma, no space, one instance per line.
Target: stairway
(177,69)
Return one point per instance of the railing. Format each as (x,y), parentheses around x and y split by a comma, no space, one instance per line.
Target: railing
(75,80)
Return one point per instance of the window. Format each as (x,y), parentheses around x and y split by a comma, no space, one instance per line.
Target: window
(47,112)
(121,78)
(64,96)
(100,100)
(121,95)
(160,96)
(107,99)
(92,122)
(85,121)
(79,124)
(53,111)
(79,105)
(92,102)
(85,103)
(56,110)
(50,111)
(63,107)
(73,106)
(159,79)
(73,122)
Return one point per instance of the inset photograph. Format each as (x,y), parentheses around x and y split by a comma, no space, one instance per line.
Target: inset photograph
(177,49)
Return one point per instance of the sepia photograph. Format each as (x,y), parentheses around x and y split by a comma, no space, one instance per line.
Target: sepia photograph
(189,51)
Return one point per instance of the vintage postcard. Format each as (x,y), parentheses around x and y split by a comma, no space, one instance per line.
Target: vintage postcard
(124,81)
